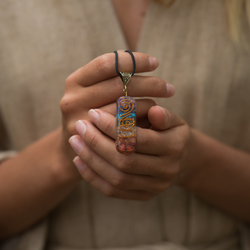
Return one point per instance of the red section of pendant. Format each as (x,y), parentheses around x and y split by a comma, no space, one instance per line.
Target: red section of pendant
(126,145)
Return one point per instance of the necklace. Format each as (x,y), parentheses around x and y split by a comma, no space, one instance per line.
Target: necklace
(126,113)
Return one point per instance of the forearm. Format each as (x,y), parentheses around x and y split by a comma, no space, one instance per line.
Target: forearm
(219,174)
(32,183)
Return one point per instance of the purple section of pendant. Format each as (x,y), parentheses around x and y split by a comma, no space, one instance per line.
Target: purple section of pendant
(126,124)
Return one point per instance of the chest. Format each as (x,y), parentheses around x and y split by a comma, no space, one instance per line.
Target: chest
(131,15)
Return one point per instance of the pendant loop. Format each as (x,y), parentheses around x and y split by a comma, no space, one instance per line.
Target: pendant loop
(125,76)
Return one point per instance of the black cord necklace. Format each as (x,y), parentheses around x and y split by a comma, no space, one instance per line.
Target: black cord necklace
(126,113)
(125,77)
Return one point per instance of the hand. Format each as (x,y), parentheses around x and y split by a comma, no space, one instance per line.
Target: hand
(97,85)
(156,164)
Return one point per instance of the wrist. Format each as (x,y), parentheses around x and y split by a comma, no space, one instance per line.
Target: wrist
(61,159)
(193,160)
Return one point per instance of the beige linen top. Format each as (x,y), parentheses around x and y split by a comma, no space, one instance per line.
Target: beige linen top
(42,42)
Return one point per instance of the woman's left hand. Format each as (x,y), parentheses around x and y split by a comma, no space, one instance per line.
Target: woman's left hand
(156,164)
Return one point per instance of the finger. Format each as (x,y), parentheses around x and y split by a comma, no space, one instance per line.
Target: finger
(106,188)
(139,86)
(162,119)
(143,123)
(109,91)
(141,112)
(103,67)
(142,107)
(108,113)
(147,141)
(105,147)
(112,175)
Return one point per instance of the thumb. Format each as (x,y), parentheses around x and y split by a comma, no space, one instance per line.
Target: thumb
(162,119)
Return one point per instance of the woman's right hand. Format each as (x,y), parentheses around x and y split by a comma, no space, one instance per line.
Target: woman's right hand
(96,85)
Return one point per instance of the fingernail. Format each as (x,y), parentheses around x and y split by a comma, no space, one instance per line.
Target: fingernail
(80,165)
(161,109)
(80,127)
(76,143)
(153,62)
(94,115)
(170,90)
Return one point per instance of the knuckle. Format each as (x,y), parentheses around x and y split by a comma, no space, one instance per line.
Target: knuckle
(88,159)
(178,148)
(109,191)
(163,186)
(125,164)
(65,104)
(108,127)
(70,103)
(159,87)
(139,59)
(131,164)
(158,188)
(103,63)
(171,175)
(119,181)
(93,141)
(89,177)
(70,127)
(120,162)
(173,171)
(169,172)
(121,165)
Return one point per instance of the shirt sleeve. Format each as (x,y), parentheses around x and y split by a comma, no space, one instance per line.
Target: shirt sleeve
(7,154)
(5,148)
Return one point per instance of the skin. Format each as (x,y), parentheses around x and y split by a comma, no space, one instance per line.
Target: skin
(40,176)
(131,26)
(172,153)
(169,154)
(139,176)
(43,174)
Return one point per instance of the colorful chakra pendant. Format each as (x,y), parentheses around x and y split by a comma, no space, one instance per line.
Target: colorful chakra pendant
(126,125)
(126,114)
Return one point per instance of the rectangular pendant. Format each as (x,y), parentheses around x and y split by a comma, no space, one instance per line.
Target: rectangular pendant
(125,124)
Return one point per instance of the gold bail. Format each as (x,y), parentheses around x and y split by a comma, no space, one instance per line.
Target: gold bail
(125,77)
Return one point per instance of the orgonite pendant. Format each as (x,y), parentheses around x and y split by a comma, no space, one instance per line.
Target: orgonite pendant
(126,125)
(126,113)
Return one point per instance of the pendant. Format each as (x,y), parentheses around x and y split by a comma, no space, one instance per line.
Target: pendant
(125,114)
(126,125)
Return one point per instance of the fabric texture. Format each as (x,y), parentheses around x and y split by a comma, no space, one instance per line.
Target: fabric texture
(42,42)
(7,154)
